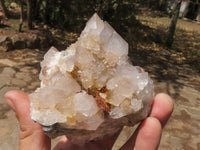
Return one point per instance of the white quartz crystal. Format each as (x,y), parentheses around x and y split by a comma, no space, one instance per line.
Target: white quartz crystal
(85,104)
(91,86)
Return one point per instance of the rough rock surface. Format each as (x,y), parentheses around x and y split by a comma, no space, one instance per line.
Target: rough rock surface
(6,42)
(91,90)
(18,43)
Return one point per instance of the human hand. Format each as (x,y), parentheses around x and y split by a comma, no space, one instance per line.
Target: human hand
(147,135)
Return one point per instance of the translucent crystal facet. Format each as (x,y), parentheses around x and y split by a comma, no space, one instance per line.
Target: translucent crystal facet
(90,89)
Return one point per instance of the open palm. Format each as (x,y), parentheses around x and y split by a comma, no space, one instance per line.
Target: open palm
(147,135)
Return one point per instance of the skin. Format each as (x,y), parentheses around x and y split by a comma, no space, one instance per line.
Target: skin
(147,135)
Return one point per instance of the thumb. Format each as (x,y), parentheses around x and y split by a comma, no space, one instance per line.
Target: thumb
(31,135)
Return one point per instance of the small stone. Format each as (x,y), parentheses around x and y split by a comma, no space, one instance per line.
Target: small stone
(7,71)
(23,76)
(34,71)
(6,76)
(18,82)
(18,43)
(90,90)
(33,42)
(33,85)
(8,62)
(4,81)
(26,69)
(3,39)
(6,42)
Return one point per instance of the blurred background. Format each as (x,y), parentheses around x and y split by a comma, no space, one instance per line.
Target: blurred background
(163,37)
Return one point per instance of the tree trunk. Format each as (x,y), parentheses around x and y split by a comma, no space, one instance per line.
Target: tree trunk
(46,14)
(5,10)
(29,14)
(198,14)
(184,9)
(21,16)
(99,8)
(173,23)
(36,9)
(162,4)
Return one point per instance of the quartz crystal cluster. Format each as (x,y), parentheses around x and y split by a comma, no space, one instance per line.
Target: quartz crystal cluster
(91,90)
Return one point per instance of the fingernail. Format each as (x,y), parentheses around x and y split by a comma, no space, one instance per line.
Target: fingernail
(9,102)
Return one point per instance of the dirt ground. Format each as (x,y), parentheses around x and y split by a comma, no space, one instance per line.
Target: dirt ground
(174,70)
